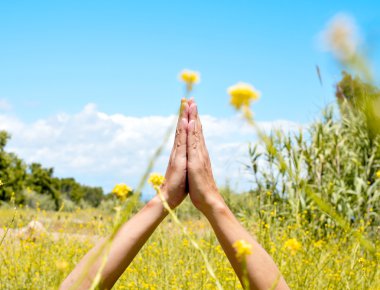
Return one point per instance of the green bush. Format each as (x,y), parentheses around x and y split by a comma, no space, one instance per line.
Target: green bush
(35,200)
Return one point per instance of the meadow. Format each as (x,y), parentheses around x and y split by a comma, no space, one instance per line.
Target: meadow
(41,260)
(314,206)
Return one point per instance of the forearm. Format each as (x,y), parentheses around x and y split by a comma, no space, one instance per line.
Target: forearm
(262,272)
(124,247)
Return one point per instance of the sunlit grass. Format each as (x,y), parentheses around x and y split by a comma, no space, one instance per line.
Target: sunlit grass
(168,260)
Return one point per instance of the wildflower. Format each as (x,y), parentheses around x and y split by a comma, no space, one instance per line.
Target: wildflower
(122,191)
(242,248)
(378,174)
(185,242)
(61,265)
(156,180)
(293,245)
(1,183)
(242,95)
(362,261)
(189,77)
(318,244)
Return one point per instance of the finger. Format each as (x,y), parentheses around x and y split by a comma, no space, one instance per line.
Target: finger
(180,151)
(199,128)
(193,111)
(181,128)
(191,101)
(193,134)
(183,112)
(195,115)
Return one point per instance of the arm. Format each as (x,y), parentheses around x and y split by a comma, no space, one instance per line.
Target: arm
(134,233)
(262,273)
(125,246)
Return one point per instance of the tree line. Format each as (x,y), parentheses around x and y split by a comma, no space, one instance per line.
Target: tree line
(27,183)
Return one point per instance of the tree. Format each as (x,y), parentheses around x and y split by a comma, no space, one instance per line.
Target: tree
(12,172)
(77,192)
(41,181)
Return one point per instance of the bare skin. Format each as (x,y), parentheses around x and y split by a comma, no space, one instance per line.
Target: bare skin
(134,233)
(189,170)
(262,272)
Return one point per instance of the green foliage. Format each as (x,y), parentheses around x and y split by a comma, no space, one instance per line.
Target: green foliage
(41,180)
(35,200)
(33,184)
(12,172)
(335,160)
(77,192)
(92,195)
(356,96)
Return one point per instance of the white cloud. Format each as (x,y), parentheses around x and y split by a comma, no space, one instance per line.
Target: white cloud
(100,149)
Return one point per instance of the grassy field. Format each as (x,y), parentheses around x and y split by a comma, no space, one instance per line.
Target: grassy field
(169,261)
(314,207)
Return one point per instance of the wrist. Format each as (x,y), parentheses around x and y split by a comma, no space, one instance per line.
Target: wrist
(156,204)
(163,196)
(214,205)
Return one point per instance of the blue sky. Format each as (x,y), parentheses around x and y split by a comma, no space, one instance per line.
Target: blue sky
(57,56)
(124,56)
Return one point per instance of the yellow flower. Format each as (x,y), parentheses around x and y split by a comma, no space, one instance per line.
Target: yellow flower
(122,191)
(242,95)
(318,244)
(156,180)
(1,183)
(293,245)
(378,174)
(61,265)
(242,248)
(189,77)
